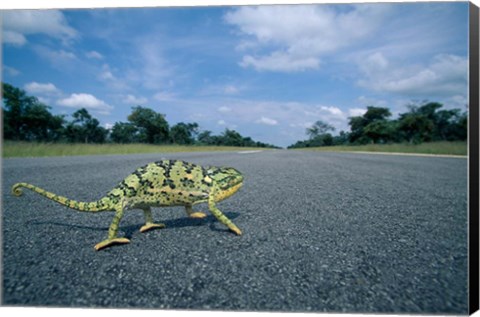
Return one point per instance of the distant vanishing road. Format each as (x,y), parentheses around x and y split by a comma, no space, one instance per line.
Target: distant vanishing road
(322,232)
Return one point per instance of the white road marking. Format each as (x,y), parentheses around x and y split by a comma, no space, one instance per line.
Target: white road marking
(407,154)
(249,152)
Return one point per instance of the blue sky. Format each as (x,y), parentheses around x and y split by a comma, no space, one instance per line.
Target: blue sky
(267,72)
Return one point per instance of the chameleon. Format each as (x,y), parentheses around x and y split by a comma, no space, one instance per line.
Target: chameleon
(157,184)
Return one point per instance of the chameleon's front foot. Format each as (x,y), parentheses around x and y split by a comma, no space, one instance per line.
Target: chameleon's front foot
(197,215)
(150,226)
(110,242)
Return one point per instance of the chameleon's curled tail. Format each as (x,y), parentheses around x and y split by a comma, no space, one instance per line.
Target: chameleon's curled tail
(100,205)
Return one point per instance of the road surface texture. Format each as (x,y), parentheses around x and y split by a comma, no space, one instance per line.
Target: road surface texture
(322,232)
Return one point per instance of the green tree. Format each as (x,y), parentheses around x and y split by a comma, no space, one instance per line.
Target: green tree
(26,118)
(152,126)
(319,128)
(357,124)
(415,127)
(419,124)
(429,110)
(248,141)
(325,139)
(341,139)
(124,132)
(205,137)
(376,114)
(85,129)
(379,131)
(376,117)
(183,133)
(451,125)
(41,125)
(460,131)
(231,138)
(15,103)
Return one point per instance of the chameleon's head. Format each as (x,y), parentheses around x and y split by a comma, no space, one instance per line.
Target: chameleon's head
(228,179)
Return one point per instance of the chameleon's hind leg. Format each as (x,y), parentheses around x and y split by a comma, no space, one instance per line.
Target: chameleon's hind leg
(193,214)
(220,216)
(149,224)
(112,232)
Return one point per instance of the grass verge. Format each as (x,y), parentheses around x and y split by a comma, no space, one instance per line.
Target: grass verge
(434,148)
(30,149)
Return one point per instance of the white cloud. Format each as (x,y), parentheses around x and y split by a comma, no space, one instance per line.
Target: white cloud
(373,63)
(18,24)
(133,100)
(152,70)
(62,54)
(224,109)
(279,61)
(230,90)
(296,37)
(44,100)
(267,121)
(220,89)
(369,101)
(106,75)
(94,55)
(164,96)
(457,101)
(10,70)
(334,111)
(86,101)
(329,114)
(226,124)
(445,75)
(38,88)
(14,38)
(356,112)
(60,59)
(43,91)
(303,125)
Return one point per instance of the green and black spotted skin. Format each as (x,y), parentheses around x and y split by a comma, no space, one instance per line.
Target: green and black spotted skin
(174,183)
(159,184)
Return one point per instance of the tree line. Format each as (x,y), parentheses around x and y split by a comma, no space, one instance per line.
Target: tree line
(427,122)
(26,118)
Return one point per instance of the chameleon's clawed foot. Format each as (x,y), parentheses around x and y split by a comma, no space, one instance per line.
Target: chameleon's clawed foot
(150,226)
(110,242)
(198,215)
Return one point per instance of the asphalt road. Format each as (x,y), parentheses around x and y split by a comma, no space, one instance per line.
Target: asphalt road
(322,232)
